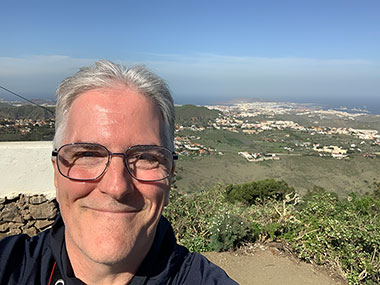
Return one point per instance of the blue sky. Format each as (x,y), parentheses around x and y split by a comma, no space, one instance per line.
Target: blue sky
(207,51)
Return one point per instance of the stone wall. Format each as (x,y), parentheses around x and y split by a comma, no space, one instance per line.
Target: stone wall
(26,214)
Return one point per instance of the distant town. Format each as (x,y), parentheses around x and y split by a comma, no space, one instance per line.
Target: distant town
(24,126)
(249,119)
(235,118)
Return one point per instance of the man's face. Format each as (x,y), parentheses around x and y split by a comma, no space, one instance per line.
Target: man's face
(113,218)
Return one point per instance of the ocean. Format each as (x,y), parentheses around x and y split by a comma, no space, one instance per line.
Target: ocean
(370,105)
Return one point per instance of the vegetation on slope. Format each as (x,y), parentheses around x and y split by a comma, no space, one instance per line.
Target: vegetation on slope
(320,228)
(25,112)
(188,115)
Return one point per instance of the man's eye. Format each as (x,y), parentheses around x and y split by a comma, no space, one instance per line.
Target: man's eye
(147,157)
(144,161)
(87,154)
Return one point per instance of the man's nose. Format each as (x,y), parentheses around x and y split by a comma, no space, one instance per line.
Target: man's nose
(116,181)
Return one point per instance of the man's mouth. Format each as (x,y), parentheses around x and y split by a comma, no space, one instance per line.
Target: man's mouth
(115,210)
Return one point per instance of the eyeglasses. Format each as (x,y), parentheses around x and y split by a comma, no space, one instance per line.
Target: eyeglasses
(89,161)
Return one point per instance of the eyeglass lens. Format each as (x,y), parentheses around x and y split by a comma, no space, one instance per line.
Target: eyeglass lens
(88,161)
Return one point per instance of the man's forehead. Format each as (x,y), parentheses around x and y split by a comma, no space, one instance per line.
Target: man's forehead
(100,114)
(113,101)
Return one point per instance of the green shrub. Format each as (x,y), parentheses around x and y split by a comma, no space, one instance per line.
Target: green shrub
(258,191)
(228,230)
(320,228)
(204,221)
(189,216)
(342,232)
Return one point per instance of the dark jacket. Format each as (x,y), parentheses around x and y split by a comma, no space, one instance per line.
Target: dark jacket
(43,258)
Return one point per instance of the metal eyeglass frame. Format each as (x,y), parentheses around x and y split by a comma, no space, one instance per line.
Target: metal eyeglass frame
(55,153)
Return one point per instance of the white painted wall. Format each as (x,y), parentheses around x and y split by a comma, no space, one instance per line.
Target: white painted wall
(25,167)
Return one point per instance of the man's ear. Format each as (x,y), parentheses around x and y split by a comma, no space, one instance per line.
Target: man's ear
(166,201)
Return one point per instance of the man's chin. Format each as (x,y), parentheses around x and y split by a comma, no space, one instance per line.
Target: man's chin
(110,259)
(112,245)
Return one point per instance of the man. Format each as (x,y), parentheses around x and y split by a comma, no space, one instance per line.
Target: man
(113,162)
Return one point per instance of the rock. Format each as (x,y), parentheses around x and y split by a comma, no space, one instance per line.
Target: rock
(28,225)
(12,196)
(27,217)
(4,227)
(14,232)
(11,213)
(25,206)
(25,214)
(21,201)
(15,225)
(31,231)
(42,224)
(37,199)
(47,211)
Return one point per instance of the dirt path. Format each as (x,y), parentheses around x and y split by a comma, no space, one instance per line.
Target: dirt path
(269,266)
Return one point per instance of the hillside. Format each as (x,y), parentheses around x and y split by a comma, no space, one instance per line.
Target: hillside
(188,115)
(24,112)
(302,172)
(298,163)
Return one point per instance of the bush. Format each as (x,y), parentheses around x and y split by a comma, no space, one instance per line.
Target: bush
(258,191)
(340,232)
(204,221)
(228,230)
(189,216)
(322,228)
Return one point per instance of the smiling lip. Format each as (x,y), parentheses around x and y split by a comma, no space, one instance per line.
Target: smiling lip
(116,211)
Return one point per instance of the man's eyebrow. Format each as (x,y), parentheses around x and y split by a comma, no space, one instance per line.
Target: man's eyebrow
(84,141)
(138,144)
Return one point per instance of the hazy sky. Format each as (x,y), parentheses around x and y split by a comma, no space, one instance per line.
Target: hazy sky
(206,50)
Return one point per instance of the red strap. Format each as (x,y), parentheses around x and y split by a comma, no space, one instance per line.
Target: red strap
(52,271)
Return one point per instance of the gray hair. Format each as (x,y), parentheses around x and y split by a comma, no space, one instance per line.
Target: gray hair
(106,74)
